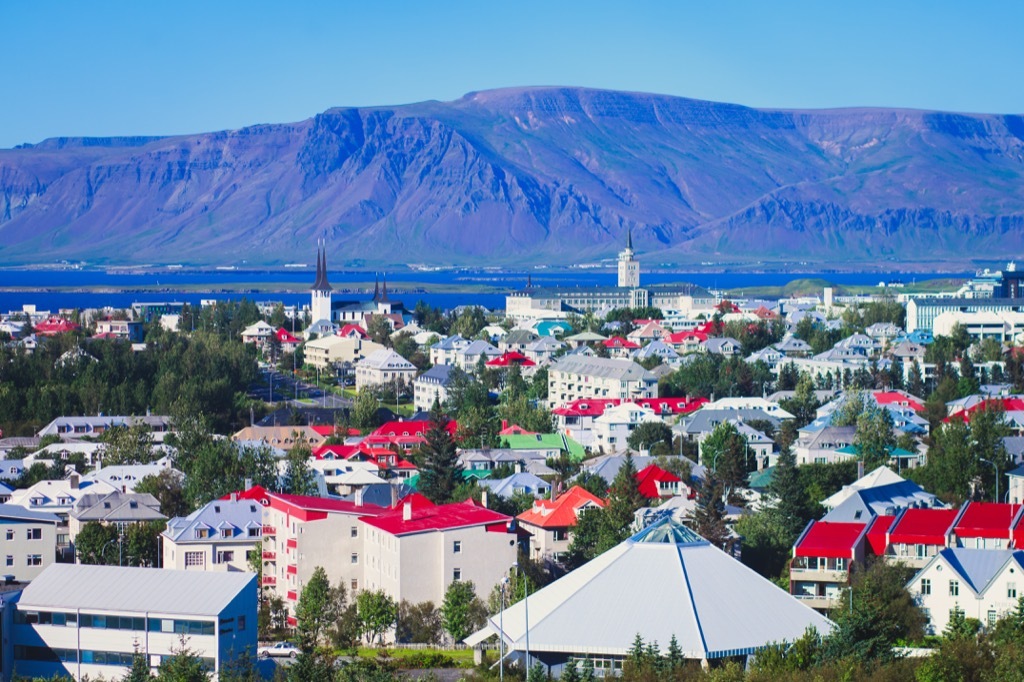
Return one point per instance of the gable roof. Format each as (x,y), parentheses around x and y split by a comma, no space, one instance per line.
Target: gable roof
(428,517)
(833,540)
(648,478)
(922,526)
(562,511)
(986,520)
(978,567)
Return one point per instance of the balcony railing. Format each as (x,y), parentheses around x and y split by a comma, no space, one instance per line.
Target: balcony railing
(292,543)
(269,580)
(269,530)
(292,569)
(270,556)
(292,595)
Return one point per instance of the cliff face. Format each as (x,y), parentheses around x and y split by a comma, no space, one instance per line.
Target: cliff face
(522,176)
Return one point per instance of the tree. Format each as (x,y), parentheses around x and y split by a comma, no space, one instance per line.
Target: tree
(378,328)
(97,544)
(462,612)
(874,437)
(139,672)
(377,613)
(299,478)
(725,452)
(790,497)
(168,487)
(184,665)
(364,411)
(315,611)
(708,518)
(142,543)
(647,434)
(132,444)
(418,623)
(440,470)
(804,404)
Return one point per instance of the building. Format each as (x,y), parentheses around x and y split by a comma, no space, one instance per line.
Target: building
(430,386)
(69,428)
(575,377)
(550,522)
(521,483)
(445,351)
(981,583)
(115,508)
(384,367)
(414,552)
(58,497)
(913,536)
(219,536)
(127,330)
(629,266)
(29,541)
(612,429)
(822,560)
(327,352)
(90,620)
(665,582)
(921,312)
(320,292)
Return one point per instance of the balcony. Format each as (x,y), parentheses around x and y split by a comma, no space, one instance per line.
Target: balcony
(269,530)
(291,543)
(292,569)
(269,580)
(269,556)
(819,575)
(292,595)
(816,601)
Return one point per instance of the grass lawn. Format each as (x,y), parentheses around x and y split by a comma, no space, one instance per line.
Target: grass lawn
(464,657)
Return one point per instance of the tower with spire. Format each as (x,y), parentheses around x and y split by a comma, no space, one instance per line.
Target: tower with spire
(629,267)
(320,305)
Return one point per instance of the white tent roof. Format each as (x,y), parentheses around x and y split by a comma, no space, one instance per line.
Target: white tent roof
(883,475)
(664,581)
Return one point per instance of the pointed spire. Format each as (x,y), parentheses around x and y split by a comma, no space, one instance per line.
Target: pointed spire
(376,287)
(529,281)
(629,239)
(384,290)
(321,283)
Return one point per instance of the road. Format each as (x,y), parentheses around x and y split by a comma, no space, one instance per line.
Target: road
(284,387)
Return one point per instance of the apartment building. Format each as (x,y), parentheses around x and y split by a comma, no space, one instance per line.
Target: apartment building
(219,536)
(328,351)
(822,559)
(58,497)
(414,552)
(128,330)
(89,620)
(384,367)
(575,377)
(28,541)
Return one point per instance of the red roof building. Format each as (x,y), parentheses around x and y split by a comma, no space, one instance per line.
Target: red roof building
(514,430)
(901,398)
(286,338)
(54,325)
(619,343)
(913,536)
(822,557)
(829,539)
(984,525)
(551,521)
(353,331)
(878,534)
(653,482)
(509,358)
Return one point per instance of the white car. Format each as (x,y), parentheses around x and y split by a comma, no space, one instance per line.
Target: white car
(280,649)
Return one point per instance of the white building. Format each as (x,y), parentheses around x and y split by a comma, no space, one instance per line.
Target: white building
(612,429)
(58,497)
(430,386)
(575,377)
(89,620)
(28,541)
(219,536)
(383,367)
(327,351)
(983,583)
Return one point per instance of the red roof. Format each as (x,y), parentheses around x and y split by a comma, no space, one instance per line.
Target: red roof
(509,358)
(595,407)
(876,533)
(338,451)
(409,428)
(986,520)
(305,507)
(831,540)
(560,512)
(430,517)
(706,328)
(514,430)
(619,342)
(898,398)
(648,478)
(353,330)
(285,336)
(682,337)
(923,527)
(327,430)
(55,325)
(1013,404)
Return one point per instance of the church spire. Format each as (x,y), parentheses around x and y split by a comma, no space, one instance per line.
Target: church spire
(321,283)
(384,290)
(376,287)
(629,239)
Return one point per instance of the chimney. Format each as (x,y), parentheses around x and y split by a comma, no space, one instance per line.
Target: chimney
(359,497)
(234,497)
(504,424)
(860,468)
(483,498)
(248,484)
(73,479)
(394,496)
(407,511)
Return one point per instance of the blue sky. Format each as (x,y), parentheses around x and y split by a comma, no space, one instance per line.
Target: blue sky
(147,67)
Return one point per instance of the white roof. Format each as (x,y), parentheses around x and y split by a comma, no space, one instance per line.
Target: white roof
(663,581)
(138,590)
(883,475)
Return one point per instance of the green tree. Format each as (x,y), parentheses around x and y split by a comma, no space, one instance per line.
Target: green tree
(648,434)
(725,452)
(97,544)
(131,444)
(874,437)
(184,665)
(804,404)
(462,612)
(168,487)
(377,613)
(440,471)
(315,611)
(299,478)
(708,517)
(364,411)
(418,623)
(139,672)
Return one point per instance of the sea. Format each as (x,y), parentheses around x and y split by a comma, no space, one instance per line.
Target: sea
(91,288)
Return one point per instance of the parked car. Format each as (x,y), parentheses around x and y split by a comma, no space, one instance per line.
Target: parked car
(280,649)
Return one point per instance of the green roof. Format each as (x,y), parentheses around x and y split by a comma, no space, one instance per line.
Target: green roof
(467,474)
(759,480)
(893,452)
(544,441)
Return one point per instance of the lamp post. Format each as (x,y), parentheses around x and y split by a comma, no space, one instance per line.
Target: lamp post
(120,548)
(501,637)
(526,611)
(996,468)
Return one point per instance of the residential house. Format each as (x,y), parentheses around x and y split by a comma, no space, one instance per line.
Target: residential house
(822,560)
(115,508)
(430,386)
(445,351)
(384,367)
(613,427)
(258,333)
(619,347)
(283,437)
(822,446)
(219,536)
(92,621)
(913,536)
(127,330)
(58,497)
(29,541)
(656,349)
(551,444)
(722,345)
(416,551)
(550,522)
(327,352)
(521,483)
(543,350)
(69,428)
(517,340)
(468,357)
(125,477)
(794,347)
(653,482)
(575,377)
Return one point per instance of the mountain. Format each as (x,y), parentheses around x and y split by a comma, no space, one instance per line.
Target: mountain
(527,176)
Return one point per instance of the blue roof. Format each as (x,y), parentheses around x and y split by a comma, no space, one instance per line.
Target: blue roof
(979,566)
(668,530)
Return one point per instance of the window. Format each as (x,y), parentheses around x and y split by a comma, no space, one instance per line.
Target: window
(10,533)
(241,623)
(560,534)
(34,533)
(991,618)
(10,559)
(195,558)
(457,547)
(954,588)
(1011,590)
(355,531)
(457,574)
(224,557)
(355,558)
(202,533)
(34,560)
(926,586)
(254,532)
(355,585)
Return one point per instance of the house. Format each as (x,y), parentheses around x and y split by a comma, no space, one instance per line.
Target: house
(69,428)
(822,559)
(327,352)
(416,551)
(653,482)
(258,333)
(90,621)
(981,583)
(126,330)
(219,536)
(772,409)
(58,497)
(708,602)
(576,419)
(883,331)
(552,444)
(984,525)
(468,357)
(517,340)
(822,446)
(445,351)
(575,377)
(54,325)
(768,355)
(319,329)
(619,347)
(584,339)
(283,437)
(722,345)
(384,367)
(430,386)
(512,358)
(612,429)
(521,483)
(656,349)
(550,522)
(125,477)
(29,541)
(532,461)
(794,347)
(115,508)
(543,350)
(288,341)
(913,536)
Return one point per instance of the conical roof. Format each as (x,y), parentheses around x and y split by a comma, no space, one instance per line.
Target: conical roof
(321,283)
(664,581)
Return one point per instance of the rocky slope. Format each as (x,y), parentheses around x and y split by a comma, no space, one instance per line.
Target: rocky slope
(530,175)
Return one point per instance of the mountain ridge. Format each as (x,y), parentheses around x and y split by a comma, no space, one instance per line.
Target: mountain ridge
(517,176)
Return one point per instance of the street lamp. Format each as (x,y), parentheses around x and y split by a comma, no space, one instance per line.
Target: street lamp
(501,637)
(996,467)
(526,611)
(120,548)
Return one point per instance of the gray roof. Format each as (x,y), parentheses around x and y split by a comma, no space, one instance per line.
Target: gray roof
(380,494)
(718,343)
(439,375)
(117,506)
(544,343)
(453,342)
(607,466)
(664,581)
(17,513)
(217,517)
(705,421)
(136,590)
(480,348)
(506,487)
(883,500)
(1014,447)
(519,336)
(656,348)
(979,566)
(608,368)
